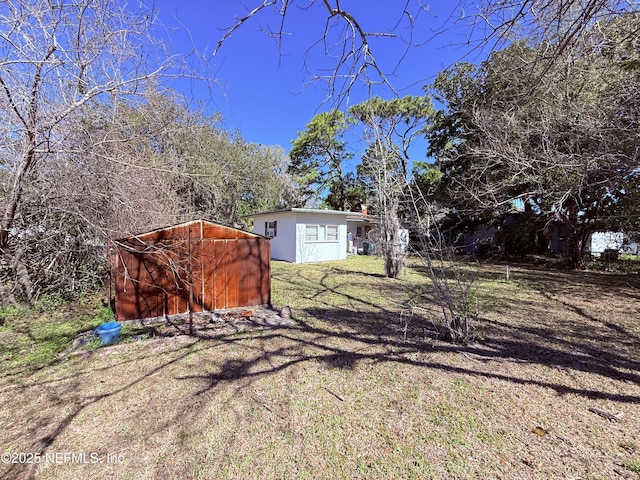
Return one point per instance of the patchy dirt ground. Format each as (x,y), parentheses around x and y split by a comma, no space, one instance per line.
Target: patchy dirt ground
(356,388)
(212,324)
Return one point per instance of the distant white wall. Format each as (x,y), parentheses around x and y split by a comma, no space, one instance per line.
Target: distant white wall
(403,239)
(601,241)
(283,245)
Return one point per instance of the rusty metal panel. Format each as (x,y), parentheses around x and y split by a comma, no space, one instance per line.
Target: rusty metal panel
(145,281)
(259,293)
(249,276)
(244,274)
(203,252)
(232,258)
(265,273)
(219,275)
(155,273)
(212,230)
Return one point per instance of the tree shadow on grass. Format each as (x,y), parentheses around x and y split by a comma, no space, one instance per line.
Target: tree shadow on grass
(611,354)
(346,358)
(372,340)
(359,334)
(361,330)
(39,443)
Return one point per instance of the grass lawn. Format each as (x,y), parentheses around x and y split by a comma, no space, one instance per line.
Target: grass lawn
(357,389)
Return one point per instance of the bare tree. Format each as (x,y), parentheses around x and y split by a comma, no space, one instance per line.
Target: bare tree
(345,53)
(560,22)
(57,59)
(494,24)
(562,144)
(128,167)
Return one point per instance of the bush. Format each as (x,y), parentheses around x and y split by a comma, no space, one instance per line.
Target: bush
(49,302)
(105,315)
(609,255)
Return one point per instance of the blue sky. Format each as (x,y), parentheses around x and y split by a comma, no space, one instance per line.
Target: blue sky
(262,88)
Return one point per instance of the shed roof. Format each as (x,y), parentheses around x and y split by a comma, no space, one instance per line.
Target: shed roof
(198,228)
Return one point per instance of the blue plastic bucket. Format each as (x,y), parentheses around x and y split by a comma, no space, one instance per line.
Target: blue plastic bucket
(109,332)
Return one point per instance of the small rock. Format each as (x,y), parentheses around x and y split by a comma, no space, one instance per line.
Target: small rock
(81,341)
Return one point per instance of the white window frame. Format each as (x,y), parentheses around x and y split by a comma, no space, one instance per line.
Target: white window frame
(334,236)
(314,238)
(271,229)
(321,233)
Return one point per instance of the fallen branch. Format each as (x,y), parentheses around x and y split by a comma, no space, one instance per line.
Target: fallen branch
(612,417)
(334,394)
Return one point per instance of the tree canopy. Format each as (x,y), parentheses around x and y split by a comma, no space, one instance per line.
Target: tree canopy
(318,156)
(561,140)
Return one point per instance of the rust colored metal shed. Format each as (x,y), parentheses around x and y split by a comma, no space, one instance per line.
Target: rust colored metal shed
(192,267)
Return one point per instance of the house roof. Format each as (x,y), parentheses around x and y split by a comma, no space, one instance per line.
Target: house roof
(351,216)
(306,210)
(360,218)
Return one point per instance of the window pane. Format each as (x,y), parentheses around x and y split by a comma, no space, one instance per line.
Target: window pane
(311,233)
(332,233)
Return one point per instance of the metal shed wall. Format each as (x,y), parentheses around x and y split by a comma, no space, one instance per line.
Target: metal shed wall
(198,266)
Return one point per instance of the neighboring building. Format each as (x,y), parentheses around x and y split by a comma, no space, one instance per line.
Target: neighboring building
(302,235)
(598,242)
(479,240)
(559,238)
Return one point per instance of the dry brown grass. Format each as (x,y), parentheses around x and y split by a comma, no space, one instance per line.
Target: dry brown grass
(346,394)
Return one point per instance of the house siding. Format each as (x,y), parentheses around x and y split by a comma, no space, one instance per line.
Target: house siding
(322,249)
(283,245)
(290,243)
(598,242)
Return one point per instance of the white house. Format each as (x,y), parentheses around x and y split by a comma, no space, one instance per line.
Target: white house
(598,242)
(302,235)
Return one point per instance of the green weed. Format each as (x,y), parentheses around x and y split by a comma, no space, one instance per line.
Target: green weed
(9,313)
(104,315)
(633,465)
(49,302)
(34,337)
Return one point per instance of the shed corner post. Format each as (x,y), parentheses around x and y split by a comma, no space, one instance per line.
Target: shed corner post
(190,261)
(111,259)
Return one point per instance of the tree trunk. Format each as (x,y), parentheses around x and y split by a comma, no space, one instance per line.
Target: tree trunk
(15,195)
(575,239)
(394,259)
(22,273)
(575,252)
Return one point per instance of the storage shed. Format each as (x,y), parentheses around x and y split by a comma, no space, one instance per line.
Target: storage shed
(192,267)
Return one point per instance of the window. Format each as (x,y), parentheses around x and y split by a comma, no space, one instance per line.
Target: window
(321,233)
(271,229)
(311,233)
